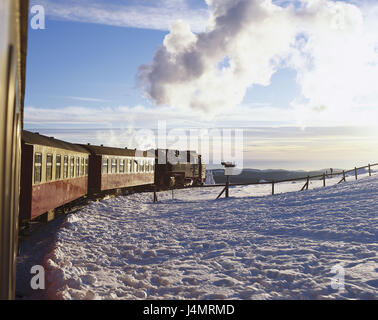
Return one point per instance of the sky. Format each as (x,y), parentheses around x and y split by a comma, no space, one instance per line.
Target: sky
(297,78)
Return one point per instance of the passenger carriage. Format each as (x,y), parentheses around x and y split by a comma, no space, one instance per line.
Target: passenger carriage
(115,168)
(53,173)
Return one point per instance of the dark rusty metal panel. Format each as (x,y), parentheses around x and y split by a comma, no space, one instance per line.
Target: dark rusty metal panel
(50,195)
(114,181)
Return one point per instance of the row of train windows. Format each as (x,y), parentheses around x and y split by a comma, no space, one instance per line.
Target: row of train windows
(126,166)
(72,167)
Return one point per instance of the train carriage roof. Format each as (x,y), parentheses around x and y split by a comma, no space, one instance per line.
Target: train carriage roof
(111,151)
(37,139)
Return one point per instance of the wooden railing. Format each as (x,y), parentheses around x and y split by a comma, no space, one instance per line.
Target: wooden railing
(307,180)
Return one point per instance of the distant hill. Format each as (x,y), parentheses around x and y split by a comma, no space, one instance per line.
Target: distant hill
(255,175)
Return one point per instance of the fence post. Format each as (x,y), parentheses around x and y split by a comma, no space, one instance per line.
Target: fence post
(223,190)
(227,184)
(324,180)
(306,184)
(343,178)
(272,187)
(369,170)
(355,172)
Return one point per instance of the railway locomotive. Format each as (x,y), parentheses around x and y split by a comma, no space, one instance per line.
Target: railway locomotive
(178,169)
(56,173)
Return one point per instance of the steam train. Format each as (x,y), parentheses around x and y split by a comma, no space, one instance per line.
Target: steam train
(51,173)
(55,173)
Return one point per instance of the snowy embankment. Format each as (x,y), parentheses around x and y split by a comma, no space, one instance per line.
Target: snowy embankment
(190,247)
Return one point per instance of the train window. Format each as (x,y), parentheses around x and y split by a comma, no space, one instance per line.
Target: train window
(49,162)
(77,166)
(130,167)
(65,167)
(37,167)
(86,166)
(72,167)
(122,166)
(58,166)
(114,165)
(82,167)
(105,165)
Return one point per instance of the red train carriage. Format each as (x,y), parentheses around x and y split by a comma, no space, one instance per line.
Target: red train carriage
(53,173)
(115,168)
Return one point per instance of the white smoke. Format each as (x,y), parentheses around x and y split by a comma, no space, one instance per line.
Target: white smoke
(330,44)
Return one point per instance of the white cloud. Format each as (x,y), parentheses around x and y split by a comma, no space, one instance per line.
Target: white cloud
(136,14)
(262,115)
(337,65)
(185,71)
(137,116)
(332,45)
(86,99)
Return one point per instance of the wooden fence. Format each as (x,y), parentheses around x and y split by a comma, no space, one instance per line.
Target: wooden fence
(307,180)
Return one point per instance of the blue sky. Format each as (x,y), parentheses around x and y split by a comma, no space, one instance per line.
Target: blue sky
(74,63)
(82,74)
(73,59)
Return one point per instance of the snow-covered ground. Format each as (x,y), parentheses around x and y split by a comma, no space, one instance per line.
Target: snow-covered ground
(250,246)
